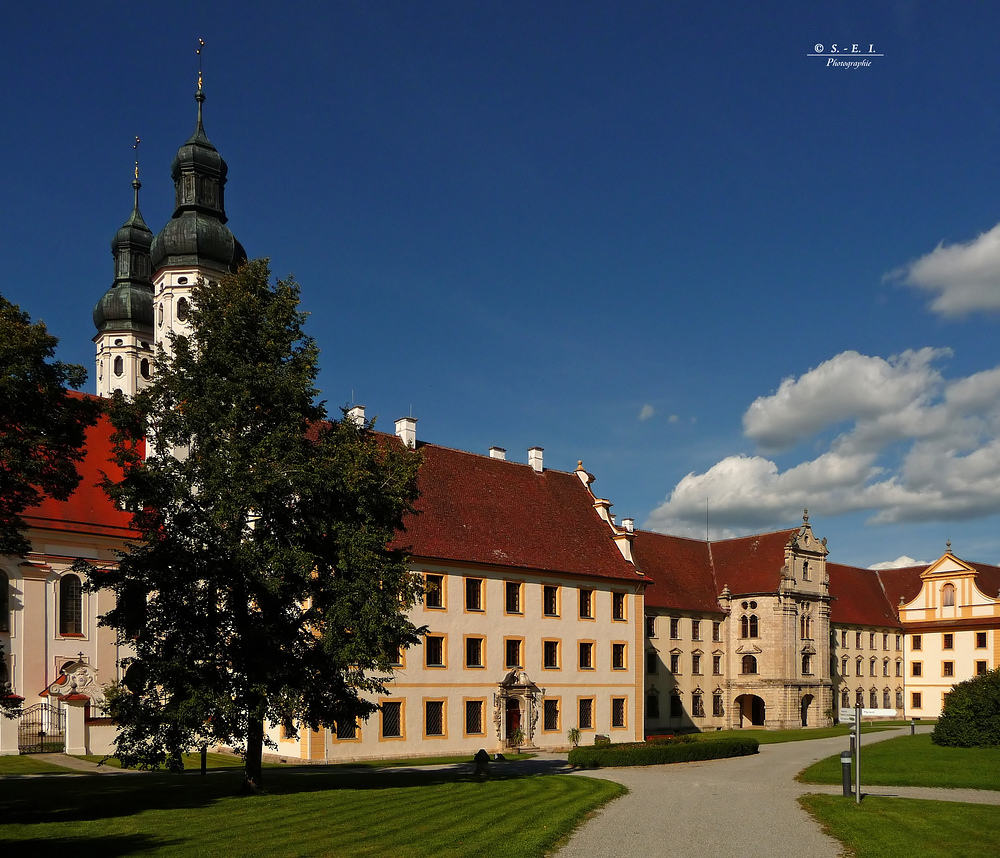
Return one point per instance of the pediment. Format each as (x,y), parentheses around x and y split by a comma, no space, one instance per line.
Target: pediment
(948,565)
(748,649)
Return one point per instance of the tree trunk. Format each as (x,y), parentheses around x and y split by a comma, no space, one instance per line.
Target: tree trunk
(253,767)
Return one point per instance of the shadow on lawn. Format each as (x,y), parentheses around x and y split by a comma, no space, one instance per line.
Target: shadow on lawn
(106,846)
(57,799)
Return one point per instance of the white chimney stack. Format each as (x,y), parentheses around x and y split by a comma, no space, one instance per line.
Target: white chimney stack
(406,430)
(498,453)
(535,459)
(629,524)
(357,414)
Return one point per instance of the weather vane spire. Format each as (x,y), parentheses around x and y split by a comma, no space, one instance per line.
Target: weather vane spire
(201,44)
(135,146)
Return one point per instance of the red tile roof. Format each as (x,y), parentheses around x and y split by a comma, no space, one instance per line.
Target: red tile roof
(902,583)
(858,597)
(751,564)
(680,570)
(88,510)
(475,509)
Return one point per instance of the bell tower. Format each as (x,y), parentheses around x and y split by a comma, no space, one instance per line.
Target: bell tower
(124,315)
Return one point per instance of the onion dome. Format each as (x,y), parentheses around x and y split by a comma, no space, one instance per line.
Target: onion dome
(128,304)
(197,235)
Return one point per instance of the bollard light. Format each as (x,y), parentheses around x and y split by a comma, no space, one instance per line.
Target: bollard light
(845,767)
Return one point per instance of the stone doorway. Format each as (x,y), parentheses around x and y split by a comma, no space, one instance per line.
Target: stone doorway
(751,709)
(515,707)
(806,703)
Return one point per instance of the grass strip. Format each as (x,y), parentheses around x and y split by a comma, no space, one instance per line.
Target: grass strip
(903,828)
(914,761)
(800,734)
(595,756)
(306,811)
(27,764)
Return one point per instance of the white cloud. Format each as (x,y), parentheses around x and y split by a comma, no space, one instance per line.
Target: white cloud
(909,446)
(673,418)
(646,412)
(964,277)
(898,563)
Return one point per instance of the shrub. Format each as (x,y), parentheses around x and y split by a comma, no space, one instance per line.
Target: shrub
(654,754)
(971,715)
(682,739)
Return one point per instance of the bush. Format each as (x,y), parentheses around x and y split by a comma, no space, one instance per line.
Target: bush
(682,739)
(655,754)
(971,715)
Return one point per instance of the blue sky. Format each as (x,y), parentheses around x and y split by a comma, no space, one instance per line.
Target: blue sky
(654,236)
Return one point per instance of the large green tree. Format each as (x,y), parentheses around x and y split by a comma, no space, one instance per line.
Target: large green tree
(262,588)
(42,425)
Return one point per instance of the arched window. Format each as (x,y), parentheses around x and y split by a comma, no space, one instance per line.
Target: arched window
(4,602)
(873,699)
(183,309)
(806,665)
(70,606)
(805,571)
(899,698)
(948,596)
(754,630)
(119,366)
(886,699)
(744,627)
(845,699)
(749,664)
(144,367)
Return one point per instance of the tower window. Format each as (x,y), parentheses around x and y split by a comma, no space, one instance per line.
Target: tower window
(183,309)
(119,366)
(144,367)
(70,606)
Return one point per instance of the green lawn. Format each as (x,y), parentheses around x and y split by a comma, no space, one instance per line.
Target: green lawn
(191,761)
(306,811)
(772,737)
(27,764)
(904,828)
(914,761)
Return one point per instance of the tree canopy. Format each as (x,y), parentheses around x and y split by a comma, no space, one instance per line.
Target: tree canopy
(971,714)
(42,424)
(262,587)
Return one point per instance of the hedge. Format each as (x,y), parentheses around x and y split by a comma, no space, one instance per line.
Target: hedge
(971,714)
(656,754)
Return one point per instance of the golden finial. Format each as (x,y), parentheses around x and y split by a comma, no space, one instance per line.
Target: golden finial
(201,44)
(136,147)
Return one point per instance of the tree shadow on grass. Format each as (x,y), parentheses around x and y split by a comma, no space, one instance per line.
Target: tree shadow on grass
(108,846)
(57,799)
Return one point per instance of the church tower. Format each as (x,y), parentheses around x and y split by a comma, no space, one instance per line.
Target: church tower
(124,315)
(195,243)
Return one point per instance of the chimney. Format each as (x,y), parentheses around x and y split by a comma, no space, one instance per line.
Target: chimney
(406,430)
(498,453)
(535,459)
(357,414)
(629,524)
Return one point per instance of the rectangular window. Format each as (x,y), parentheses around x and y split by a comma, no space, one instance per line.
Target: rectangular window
(844,664)
(916,700)
(434,718)
(899,646)
(980,640)
(717,632)
(617,656)
(696,664)
(474,652)
(618,606)
(717,665)
(512,603)
(434,651)
(857,640)
(885,642)
(717,705)
(947,668)
(550,601)
(474,718)
(980,668)
(550,654)
(949,641)
(871,667)
(347,729)
(652,706)
(587,604)
(434,591)
(885,667)
(586,713)
(696,630)
(650,627)
(675,629)
(652,662)
(392,720)
(675,662)
(843,638)
(396,657)
(617,711)
(512,652)
(917,669)
(916,642)
(473,594)
(697,706)
(550,714)
(586,655)
(871,640)
(899,668)
(676,709)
